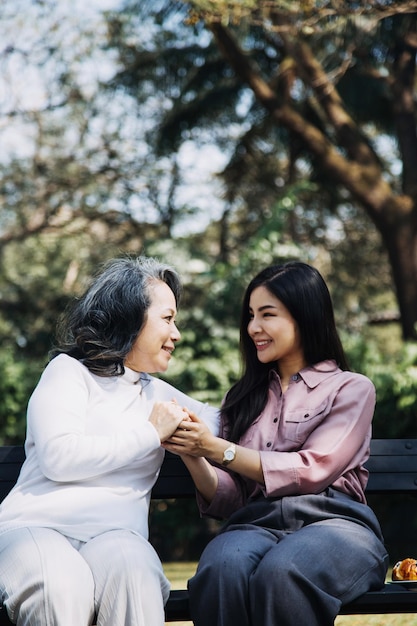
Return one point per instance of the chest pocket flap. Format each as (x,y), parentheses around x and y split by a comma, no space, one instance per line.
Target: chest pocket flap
(301,422)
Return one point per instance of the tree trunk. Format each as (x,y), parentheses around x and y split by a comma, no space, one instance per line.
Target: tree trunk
(400,238)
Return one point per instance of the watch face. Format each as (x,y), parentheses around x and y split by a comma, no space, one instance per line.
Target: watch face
(229,455)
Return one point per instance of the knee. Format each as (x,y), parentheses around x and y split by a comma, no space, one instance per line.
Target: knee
(225,554)
(52,598)
(126,561)
(78,581)
(41,573)
(136,558)
(283,571)
(226,563)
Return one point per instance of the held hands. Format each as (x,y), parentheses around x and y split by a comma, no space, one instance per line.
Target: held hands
(193,440)
(192,437)
(166,417)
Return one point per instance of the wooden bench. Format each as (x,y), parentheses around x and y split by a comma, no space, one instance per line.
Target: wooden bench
(393,469)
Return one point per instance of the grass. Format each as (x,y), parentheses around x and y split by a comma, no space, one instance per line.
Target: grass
(179,573)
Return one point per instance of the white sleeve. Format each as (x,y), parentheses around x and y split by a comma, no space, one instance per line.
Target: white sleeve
(57,426)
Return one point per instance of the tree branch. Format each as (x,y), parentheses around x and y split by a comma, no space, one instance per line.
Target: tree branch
(345,129)
(404,106)
(364,181)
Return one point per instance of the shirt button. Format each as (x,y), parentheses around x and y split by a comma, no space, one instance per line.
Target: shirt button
(307,415)
(275,420)
(269,444)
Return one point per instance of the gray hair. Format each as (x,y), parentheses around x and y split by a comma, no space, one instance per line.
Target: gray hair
(101,327)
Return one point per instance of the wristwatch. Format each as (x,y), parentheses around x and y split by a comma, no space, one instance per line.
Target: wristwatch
(229,454)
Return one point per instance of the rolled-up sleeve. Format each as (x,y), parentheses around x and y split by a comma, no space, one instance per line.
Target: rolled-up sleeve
(229,496)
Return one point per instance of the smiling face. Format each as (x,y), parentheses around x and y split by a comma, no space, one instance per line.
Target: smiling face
(155,343)
(274,331)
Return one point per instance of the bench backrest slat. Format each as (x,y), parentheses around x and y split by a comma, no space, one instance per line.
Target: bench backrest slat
(391,447)
(392,467)
(395,483)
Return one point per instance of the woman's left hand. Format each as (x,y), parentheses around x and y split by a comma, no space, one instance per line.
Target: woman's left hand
(192,437)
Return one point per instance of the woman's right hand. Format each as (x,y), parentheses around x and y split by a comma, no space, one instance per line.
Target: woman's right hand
(166,417)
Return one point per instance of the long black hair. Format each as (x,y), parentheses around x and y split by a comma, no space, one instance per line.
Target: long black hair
(101,327)
(302,290)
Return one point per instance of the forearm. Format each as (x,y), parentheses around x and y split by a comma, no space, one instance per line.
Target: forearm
(246,462)
(194,439)
(192,442)
(203,475)
(73,457)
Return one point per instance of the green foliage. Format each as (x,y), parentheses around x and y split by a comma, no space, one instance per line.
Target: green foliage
(395,379)
(176,530)
(207,359)
(18,377)
(207,363)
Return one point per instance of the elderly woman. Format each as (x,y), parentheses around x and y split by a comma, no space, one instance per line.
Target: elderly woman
(74,530)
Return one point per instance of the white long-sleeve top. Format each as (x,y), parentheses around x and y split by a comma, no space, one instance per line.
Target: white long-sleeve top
(92,456)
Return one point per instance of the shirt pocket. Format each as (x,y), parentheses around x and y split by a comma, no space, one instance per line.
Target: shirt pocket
(300,423)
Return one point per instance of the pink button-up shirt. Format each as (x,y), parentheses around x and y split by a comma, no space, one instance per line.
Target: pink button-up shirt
(313,436)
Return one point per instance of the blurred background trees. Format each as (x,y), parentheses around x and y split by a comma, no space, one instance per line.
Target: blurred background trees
(220,137)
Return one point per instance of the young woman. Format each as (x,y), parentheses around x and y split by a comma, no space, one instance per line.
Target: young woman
(74,544)
(288,470)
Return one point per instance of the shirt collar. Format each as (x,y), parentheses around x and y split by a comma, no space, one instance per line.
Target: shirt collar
(131,377)
(313,375)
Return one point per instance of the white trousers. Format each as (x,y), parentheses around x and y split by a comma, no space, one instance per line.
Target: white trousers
(47,579)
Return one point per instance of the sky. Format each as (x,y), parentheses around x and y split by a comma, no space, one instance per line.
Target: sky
(25,75)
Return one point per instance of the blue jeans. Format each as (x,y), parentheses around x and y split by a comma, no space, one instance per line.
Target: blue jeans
(289,562)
